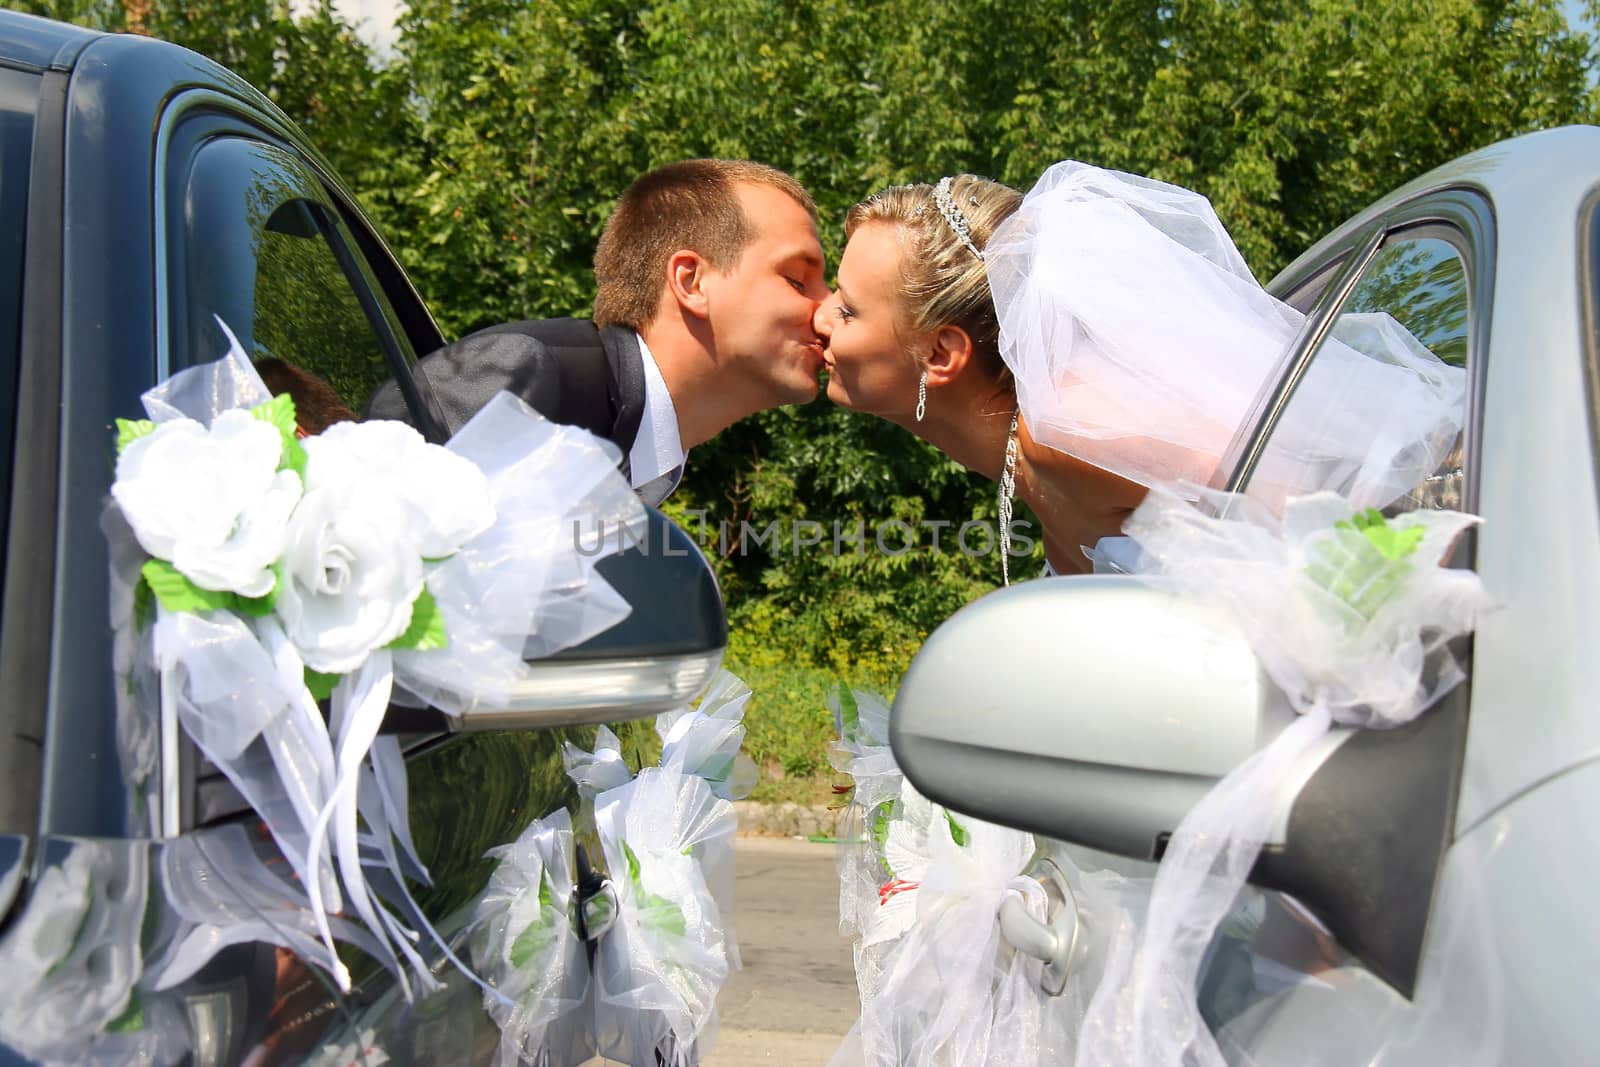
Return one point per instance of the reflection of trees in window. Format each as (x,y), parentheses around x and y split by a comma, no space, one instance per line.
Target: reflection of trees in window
(306,313)
(1422,284)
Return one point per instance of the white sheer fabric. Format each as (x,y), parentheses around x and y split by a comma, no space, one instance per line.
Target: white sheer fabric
(1345,624)
(1139,341)
(920,892)
(657,971)
(524,945)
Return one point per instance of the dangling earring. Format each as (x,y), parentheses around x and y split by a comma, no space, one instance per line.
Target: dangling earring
(922,396)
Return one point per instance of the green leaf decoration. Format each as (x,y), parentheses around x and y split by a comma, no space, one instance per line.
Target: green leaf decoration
(322,685)
(654,910)
(663,914)
(294,458)
(47,935)
(880,824)
(719,768)
(880,834)
(144,604)
(178,593)
(849,712)
(130,430)
(1365,562)
(539,934)
(132,1018)
(259,607)
(427,626)
(531,942)
(280,414)
(1391,543)
(958,833)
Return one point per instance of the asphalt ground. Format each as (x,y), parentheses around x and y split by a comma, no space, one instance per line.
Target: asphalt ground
(795,999)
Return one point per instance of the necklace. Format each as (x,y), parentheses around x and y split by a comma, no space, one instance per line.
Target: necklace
(1008,490)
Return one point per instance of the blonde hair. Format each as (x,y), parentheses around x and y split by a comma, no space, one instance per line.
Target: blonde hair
(691,204)
(942,281)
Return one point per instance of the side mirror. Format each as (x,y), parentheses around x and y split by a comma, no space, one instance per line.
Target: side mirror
(1096,710)
(660,656)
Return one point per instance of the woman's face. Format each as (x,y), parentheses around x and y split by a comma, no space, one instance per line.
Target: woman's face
(870,368)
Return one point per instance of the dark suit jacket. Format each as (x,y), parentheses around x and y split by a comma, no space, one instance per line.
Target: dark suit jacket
(568,370)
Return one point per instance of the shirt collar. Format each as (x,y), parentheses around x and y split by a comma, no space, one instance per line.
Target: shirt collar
(657,449)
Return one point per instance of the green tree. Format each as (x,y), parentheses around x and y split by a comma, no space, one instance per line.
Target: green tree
(493,145)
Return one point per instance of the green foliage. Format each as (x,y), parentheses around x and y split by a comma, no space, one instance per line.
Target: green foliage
(788,723)
(491,146)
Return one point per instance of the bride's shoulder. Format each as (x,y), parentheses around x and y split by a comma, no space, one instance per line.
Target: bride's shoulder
(1062,471)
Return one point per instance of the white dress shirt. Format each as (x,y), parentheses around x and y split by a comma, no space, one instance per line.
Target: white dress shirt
(656,460)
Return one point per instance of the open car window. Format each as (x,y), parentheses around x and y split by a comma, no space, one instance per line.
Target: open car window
(1410,308)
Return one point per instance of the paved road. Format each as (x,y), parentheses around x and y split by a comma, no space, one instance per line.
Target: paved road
(796,997)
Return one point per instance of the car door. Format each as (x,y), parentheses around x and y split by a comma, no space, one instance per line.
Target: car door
(258,238)
(1428,264)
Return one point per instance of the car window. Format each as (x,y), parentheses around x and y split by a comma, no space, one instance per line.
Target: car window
(1409,305)
(261,247)
(1304,296)
(255,241)
(18,93)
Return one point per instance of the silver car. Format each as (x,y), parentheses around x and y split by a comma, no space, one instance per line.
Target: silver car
(1429,894)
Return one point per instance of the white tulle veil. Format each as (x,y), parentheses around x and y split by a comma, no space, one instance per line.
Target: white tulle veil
(1140,342)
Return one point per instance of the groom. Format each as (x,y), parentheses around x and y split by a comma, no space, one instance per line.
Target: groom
(708,274)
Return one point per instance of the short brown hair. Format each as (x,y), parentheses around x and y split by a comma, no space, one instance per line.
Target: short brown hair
(942,281)
(691,204)
(316,405)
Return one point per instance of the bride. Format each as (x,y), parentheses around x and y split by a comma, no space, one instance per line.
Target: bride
(1101,336)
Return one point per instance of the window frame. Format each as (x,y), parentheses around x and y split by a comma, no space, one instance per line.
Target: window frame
(30,548)
(1589,322)
(199,115)
(1463,219)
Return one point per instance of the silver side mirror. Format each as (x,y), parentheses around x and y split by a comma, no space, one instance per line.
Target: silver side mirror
(1096,710)
(659,657)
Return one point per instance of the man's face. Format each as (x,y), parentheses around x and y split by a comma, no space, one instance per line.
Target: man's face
(761,310)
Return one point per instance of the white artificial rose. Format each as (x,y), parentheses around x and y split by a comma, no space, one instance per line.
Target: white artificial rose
(210,501)
(450,492)
(352,569)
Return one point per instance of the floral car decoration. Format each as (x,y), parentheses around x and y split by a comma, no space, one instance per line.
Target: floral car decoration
(666,836)
(256,574)
(1349,612)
